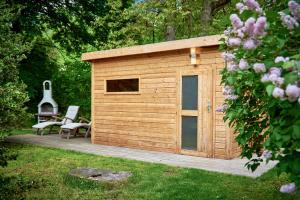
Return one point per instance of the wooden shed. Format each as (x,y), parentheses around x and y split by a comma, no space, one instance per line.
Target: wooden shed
(161,97)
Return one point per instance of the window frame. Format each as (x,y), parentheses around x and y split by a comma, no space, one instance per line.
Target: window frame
(122,78)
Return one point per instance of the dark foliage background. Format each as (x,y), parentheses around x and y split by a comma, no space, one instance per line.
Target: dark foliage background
(60,31)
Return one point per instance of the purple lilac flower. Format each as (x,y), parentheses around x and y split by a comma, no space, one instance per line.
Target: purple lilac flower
(241,7)
(219,109)
(228,90)
(232,67)
(267,154)
(236,21)
(279,81)
(240,33)
(299,100)
(273,77)
(281,59)
(260,26)
(259,67)
(265,78)
(228,56)
(278,93)
(227,32)
(243,65)
(275,70)
(252,4)
(231,97)
(288,21)
(288,188)
(259,10)
(222,108)
(250,44)
(234,42)
(295,9)
(293,92)
(249,26)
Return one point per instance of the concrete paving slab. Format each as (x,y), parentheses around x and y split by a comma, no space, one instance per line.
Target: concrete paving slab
(234,166)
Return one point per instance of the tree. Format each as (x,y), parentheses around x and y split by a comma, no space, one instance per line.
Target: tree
(210,8)
(69,21)
(60,32)
(160,20)
(119,23)
(12,91)
(41,63)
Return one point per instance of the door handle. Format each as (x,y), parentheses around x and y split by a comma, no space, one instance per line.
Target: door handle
(208,106)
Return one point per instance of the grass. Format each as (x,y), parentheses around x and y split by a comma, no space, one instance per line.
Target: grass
(47,170)
(21,131)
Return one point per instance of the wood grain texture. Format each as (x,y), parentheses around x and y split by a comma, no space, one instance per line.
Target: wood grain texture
(92,103)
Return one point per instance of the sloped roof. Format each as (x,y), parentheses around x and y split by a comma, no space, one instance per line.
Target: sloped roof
(205,41)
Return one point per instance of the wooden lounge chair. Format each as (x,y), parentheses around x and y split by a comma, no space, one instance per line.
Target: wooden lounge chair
(68,118)
(73,128)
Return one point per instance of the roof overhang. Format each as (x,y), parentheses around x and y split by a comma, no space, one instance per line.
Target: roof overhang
(205,41)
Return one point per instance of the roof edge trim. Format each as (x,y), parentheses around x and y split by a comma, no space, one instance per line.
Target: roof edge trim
(205,41)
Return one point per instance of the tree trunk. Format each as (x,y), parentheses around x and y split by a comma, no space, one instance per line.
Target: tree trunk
(170,33)
(210,8)
(206,14)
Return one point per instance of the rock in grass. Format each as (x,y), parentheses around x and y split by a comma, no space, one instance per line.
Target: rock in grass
(100,174)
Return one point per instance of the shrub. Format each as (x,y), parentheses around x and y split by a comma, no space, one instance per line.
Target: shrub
(262,78)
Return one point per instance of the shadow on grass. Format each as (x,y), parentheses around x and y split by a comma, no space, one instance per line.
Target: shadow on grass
(15,187)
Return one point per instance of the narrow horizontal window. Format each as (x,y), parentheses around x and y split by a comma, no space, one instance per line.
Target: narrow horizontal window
(122,85)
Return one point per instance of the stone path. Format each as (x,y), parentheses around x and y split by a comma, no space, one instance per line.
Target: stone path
(234,166)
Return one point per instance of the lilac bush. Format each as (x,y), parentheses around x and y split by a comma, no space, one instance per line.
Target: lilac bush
(262,78)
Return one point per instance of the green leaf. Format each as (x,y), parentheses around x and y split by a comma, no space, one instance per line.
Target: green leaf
(285,138)
(246,14)
(297,56)
(296,131)
(280,42)
(270,89)
(290,78)
(288,64)
(269,63)
(231,80)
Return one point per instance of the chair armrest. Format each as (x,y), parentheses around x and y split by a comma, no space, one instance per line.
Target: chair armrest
(72,120)
(69,118)
(82,119)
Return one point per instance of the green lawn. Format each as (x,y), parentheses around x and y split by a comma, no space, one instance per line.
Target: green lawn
(21,131)
(47,170)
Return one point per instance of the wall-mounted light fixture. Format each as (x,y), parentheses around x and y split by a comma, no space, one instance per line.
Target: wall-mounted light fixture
(194,55)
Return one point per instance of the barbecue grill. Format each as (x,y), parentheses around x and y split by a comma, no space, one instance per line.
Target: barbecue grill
(47,108)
